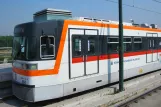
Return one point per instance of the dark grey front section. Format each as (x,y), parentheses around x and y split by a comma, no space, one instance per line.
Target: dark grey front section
(23,93)
(32,32)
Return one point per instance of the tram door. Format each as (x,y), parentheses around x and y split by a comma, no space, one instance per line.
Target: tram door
(83,52)
(155,48)
(91,54)
(76,53)
(152,53)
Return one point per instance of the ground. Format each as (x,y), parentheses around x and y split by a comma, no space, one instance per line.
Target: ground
(153,100)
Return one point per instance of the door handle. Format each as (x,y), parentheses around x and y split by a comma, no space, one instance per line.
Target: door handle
(86,57)
(83,57)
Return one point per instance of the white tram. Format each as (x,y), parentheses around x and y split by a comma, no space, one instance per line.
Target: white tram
(57,55)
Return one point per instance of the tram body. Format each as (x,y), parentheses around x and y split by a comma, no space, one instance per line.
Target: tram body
(56,58)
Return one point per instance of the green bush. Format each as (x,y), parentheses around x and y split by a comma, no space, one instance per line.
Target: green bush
(6,41)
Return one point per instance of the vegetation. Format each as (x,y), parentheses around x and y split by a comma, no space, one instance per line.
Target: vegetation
(5,53)
(6,41)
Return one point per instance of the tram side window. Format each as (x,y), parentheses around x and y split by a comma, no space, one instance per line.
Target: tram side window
(155,43)
(102,44)
(137,43)
(77,51)
(127,44)
(159,43)
(47,52)
(112,44)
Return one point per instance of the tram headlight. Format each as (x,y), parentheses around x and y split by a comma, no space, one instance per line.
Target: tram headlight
(30,66)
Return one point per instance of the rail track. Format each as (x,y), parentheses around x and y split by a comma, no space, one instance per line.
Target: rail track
(137,98)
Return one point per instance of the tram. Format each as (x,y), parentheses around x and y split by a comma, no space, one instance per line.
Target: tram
(57,55)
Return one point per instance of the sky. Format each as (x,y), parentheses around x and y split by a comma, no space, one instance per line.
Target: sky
(13,12)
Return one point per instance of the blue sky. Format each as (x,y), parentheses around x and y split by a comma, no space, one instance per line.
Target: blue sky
(13,12)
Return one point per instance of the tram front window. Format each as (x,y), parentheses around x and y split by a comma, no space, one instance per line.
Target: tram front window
(19,47)
(47,47)
(24,48)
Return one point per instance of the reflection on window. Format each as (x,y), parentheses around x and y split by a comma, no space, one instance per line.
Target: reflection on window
(77,46)
(47,51)
(47,47)
(19,47)
(112,44)
(159,43)
(137,43)
(150,44)
(127,47)
(155,43)
(91,46)
(127,44)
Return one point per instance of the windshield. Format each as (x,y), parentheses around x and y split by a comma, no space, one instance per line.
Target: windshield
(19,47)
(24,48)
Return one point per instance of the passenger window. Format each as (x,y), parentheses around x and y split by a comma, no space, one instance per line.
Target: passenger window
(159,43)
(155,42)
(47,47)
(113,44)
(102,44)
(91,46)
(137,43)
(77,50)
(127,44)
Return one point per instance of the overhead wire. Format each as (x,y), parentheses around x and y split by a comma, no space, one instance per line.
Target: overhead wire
(156,1)
(133,6)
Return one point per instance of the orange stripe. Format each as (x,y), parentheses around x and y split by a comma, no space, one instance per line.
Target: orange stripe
(61,48)
(32,72)
(74,22)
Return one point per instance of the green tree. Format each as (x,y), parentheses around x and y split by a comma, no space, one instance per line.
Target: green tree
(6,41)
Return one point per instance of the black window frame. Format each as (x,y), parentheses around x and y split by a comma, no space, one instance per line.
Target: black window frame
(107,42)
(96,45)
(156,46)
(159,42)
(84,45)
(103,41)
(117,42)
(138,42)
(128,42)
